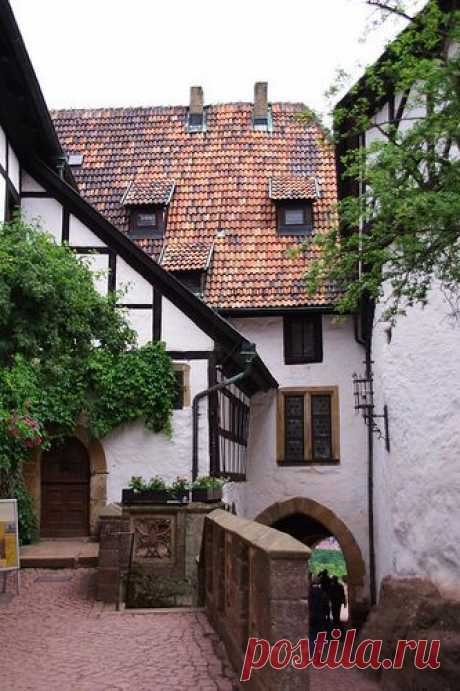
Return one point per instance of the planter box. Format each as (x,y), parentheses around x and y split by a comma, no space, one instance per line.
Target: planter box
(207,495)
(152,496)
(161,496)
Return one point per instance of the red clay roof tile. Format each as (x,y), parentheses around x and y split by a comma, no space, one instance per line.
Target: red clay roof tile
(186,256)
(144,191)
(221,196)
(293,187)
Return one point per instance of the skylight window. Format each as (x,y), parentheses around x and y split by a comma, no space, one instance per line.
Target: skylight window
(75,159)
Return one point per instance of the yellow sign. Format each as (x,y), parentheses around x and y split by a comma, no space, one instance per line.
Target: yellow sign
(9,542)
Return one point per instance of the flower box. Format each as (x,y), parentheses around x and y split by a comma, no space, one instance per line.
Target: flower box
(207,494)
(152,496)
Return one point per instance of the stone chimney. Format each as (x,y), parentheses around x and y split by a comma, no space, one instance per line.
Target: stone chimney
(196,100)
(260,100)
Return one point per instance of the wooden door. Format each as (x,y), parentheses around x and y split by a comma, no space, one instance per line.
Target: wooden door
(65,490)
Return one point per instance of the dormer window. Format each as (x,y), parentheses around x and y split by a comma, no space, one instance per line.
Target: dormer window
(147,202)
(193,280)
(146,222)
(188,262)
(294,196)
(295,218)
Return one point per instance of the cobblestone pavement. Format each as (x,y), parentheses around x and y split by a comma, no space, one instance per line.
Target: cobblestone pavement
(56,637)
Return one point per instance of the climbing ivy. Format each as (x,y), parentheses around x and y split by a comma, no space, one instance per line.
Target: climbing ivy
(66,356)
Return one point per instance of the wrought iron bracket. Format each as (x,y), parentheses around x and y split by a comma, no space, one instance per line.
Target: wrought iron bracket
(363,391)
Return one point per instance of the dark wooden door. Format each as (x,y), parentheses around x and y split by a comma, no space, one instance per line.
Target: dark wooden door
(65,490)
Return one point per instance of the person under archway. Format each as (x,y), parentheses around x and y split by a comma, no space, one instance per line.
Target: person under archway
(337,599)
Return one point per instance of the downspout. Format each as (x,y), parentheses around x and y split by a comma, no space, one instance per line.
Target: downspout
(248,354)
(366,341)
(370,483)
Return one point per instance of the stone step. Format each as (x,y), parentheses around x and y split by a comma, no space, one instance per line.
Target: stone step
(60,554)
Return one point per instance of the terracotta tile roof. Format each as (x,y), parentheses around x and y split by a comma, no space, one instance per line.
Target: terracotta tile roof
(142,191)
(186,256)
(221,194)
(292,187)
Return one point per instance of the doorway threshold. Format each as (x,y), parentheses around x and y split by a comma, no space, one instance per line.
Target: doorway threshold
(60,553)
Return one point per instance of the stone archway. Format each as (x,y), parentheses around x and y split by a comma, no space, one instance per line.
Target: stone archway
(318,514)
(97,481)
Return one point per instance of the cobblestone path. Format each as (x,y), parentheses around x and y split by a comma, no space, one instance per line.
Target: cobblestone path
(56,637)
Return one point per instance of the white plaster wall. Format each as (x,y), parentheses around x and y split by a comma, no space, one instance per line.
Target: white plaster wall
(81,236)
(137,289)
(14,169)
(134,450)
(29,184)
(417,484)
(2,148)
(46,213)
(342,488)
(179,332)
(2,198)
(141,320)
(99,265)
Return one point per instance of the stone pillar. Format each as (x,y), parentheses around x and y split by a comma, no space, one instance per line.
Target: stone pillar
(114,556)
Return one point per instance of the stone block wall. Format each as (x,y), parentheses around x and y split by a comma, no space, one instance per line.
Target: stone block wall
(255,583)
(159,541)
(114,556)
(412,608)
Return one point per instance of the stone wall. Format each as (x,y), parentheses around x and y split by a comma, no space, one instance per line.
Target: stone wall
(414,609)
(152,550)
(255,583)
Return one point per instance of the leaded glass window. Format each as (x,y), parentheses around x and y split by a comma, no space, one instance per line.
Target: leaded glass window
(321,427)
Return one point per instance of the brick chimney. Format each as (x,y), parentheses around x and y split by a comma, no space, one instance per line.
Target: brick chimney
(195,121)
(260,100)
(196,100)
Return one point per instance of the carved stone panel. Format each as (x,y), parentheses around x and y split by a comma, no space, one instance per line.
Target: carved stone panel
(154,539)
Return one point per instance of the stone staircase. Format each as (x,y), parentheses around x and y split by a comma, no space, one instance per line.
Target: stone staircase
(60,554)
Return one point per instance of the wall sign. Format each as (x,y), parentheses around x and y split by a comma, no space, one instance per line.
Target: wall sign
(9,539)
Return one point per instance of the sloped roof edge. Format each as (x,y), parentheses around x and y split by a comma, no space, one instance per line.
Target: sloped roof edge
(214,325)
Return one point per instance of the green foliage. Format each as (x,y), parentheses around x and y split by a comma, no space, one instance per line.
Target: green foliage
(329,559)
(138,484)
(178,487)
(402,235)
(147,590)
(207,482)
(66,355)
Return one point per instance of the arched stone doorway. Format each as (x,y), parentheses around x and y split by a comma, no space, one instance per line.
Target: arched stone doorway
(310,522)
(97,479)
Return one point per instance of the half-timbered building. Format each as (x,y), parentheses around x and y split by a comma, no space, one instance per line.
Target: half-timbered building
(193,210)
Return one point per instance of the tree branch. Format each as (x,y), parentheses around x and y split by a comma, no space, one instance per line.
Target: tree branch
(382,5)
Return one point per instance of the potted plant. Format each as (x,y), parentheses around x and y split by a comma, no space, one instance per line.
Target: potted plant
(141,492)
(208,489)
